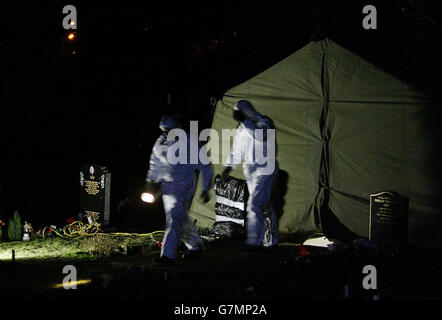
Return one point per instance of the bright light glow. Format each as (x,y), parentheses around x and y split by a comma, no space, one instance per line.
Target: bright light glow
(147,197)
(74,283)
(71,36)
(37,249)
(72,23)
(6,255)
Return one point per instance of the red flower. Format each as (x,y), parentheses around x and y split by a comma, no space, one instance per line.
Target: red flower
(303,251)
(70,220)
(51,229)
(159,244)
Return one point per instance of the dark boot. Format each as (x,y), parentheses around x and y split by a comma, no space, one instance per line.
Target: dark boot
(164,261)
(192,254)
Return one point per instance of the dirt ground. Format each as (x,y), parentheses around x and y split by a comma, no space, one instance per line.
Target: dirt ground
(226,272)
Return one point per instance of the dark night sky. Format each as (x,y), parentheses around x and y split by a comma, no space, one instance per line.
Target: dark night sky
(102,104)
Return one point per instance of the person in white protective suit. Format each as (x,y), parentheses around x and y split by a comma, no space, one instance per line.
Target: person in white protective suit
(178,184)
(249,147)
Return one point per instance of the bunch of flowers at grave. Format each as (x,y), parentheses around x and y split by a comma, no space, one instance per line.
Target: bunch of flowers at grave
(27,228)
(92,217)
(51,231)
(27,231)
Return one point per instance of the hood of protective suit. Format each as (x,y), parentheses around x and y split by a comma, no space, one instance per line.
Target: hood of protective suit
(247,109)
(167,122)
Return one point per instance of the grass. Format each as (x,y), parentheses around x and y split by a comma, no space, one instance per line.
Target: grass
(57,248)
(51,248)
(39,263)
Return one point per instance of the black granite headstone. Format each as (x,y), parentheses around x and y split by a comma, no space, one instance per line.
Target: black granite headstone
(387,217)
(95,194)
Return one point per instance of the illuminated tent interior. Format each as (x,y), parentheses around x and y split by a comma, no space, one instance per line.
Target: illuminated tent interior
(345,129)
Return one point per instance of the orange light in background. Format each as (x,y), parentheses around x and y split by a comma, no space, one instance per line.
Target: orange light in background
(71,36)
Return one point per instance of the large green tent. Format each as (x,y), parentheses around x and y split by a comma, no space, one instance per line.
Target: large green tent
(345,130)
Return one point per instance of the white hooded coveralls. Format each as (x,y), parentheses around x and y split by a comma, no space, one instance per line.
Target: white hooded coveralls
(259,180)
(178,184)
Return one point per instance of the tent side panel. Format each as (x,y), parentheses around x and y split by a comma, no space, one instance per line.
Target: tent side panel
(383,138)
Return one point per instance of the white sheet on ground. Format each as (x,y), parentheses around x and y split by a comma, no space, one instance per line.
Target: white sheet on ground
(317,242)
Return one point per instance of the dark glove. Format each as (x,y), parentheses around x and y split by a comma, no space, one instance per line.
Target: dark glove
(205,196)
(225,174)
